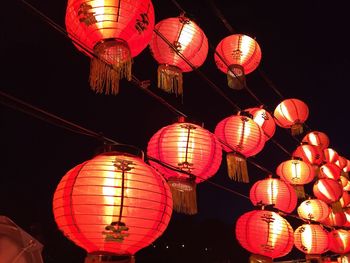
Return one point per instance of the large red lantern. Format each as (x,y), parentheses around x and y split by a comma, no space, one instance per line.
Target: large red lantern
(335,219)
(188,39)
(264,233)
(241,137)
(330,170)
(330,155)
(309,153)
(112,33)
(264,119)
(189,148)
(291,113)
(113,204)
(329,191)
(317,138)
(237,55)
(339,241)
(313,209)
(273,191)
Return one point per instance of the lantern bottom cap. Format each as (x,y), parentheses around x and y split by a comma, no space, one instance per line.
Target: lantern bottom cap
(96,257)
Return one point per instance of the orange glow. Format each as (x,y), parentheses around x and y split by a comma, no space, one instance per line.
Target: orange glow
(311,239)
(313,209)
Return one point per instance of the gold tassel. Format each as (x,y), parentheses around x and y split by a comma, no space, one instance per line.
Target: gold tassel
(254,258)
(336,207)
(236,77)
(184,195)
(297,128)
(113,62)
(300,191)
(237,167)
(170,79)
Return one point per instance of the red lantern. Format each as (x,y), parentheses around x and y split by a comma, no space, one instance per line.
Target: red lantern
(188,39)
(341,162)
(264,119)
(330,170)
(264,233)
(313,209)
(189,148)
(309,153)
(347,215)
(345,199)
(112,204)
(241,137)
(237,55)
(330,155)
(317,138)
(345,183)
(291,113)
(273,191)
(335,219)
(347,167)
(297,173)
(339,241)
(114,32)
(311,239)
(329,191)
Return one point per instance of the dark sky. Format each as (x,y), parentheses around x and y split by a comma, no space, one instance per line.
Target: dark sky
(304,53)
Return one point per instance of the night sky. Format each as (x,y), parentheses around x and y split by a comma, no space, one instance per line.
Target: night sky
(305,54)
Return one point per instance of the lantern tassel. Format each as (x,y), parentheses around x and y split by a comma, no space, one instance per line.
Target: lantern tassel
(237,167)
(297,129)
(113,62)
(254,258)
(184,195)
(236,77)
(170,79)
(336,207)
(300,191)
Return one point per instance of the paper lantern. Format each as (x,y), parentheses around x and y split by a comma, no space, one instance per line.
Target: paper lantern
(329,170)
(313,209)
(297,173)
(317,138)
(189,148)
(347,167)
(329,191)
(237,55)
(342,162)
(273,191)
(335,219)
(264,119)
(291,113)
(339,241)
(330,155)
(345,199)
(309,153)
(264,233)
(188,39)
(311,239)
(347,215)
(345,183)
(241,137)
(111,33)
(113,204)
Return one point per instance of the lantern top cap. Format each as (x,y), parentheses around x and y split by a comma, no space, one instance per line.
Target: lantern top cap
(121,149)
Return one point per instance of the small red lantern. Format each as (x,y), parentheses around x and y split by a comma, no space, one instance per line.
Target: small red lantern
(115,32)
(339,241)
(329,170)
(309,153)
(345,199)
(291,113)
(190,148)
(317,138)
(241,137)
(237,55)
(347,167)
(330,155)
(335,219)
(188,39)
(113,204)
(313,209)
(347,215)
(264,233)
(311,239)
(345,183)
(341,162)
(264,119)
(273,191)
(329,191)
(297,173)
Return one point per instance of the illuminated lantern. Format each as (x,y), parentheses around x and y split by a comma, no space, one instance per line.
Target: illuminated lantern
(345,199)
(241,137)
(347,215)
(330,155)
(237,55)
(264,119)
(188,39)
(317,138)
(111,33)
(273,191)
(347,167)
(335,219)
(113,204)
(309,153)
(313,209)
(339,241)
(341,162)
(345,183)
(297,173)
(190,149)
(264,233)
(311,239)
(329,191)
(329,170)
(291,113)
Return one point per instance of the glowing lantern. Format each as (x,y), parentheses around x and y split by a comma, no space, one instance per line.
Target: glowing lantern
(297,173)
(309,153)
(114,32)
(188,148)
(347,167)
(339,241)
(330,155)
(317,138)
(329,191)
(188,39)
(291,113)
(347,215)
(273,191)
(330,170)
(313,209)
(264,233)
(335,219)
(311,239)
(345,183)
(341,162)
(237,55)
(264,119)
(113,204)
(241,138)
(345,199)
